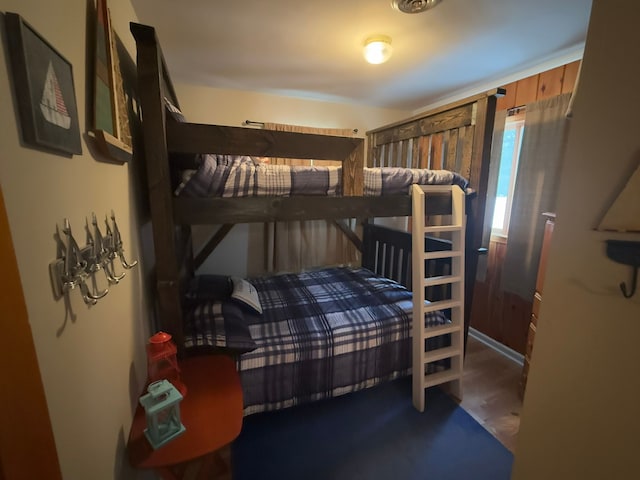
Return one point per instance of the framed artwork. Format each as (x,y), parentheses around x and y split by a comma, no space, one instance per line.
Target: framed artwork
(44,89)
(110,128)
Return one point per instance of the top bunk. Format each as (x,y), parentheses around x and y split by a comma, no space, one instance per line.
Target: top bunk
(454,138)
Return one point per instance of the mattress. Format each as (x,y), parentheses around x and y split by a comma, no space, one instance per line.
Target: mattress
(243,176)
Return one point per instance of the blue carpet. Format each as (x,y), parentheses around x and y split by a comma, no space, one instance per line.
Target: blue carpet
(374,434)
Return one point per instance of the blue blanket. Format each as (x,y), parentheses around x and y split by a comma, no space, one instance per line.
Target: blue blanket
(324,333)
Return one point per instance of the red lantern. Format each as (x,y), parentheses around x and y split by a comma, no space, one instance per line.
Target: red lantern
(162,361)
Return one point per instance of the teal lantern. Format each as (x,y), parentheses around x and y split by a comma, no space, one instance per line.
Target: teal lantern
(161,406)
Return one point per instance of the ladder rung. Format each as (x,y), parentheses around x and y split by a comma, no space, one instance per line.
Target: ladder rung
(437,378)
(441,353)
(441,305)
(430,332)
(442,254)
(436,189)
(440,280)
(442,228)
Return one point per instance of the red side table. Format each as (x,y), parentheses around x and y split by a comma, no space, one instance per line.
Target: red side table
(211,413)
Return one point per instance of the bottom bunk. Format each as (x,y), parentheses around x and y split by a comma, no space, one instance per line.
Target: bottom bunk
(322,333)
(315,335)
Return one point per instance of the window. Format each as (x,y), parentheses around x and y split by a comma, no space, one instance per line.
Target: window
(511,143)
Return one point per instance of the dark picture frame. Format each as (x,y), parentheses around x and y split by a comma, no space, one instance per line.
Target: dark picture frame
(44,89)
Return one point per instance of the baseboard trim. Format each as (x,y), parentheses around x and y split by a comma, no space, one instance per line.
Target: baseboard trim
(497,346)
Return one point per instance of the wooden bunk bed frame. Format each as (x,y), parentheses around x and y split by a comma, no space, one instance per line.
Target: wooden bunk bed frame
(456,137)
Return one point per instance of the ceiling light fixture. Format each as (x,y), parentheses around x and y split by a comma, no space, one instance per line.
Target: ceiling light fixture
(377,49)
(414,6)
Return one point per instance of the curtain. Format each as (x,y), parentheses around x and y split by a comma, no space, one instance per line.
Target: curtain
(536,188)
(297,245)
(492,185)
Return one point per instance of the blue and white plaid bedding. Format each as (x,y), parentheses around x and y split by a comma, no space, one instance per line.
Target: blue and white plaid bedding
(324,333)
(243,176)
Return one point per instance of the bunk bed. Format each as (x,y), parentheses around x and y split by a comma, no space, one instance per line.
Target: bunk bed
(455,138)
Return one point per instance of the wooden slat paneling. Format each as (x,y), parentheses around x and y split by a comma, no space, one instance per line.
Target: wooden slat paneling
(527,90)
(425,147)
(501,315)
(466,137)
(508,100)
(550,83)
(546,84)
(451,160)
(570,76)
(382,152)
(397,152)
(450,141)
(404,159)
(415,153)
(437,151)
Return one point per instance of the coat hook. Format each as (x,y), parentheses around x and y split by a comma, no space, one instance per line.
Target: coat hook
(117,244)
(628,253)
(634,284)
(113,254)
(94,261)
(75,269)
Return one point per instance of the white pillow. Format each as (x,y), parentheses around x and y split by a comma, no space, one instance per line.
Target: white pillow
(246,294)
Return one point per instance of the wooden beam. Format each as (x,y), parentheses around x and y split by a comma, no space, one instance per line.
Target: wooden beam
(353,172)
(479,178)
(224,140)
(456,118)
(350,234)
(204,211)
(496,92)
(152,84)
(211,244)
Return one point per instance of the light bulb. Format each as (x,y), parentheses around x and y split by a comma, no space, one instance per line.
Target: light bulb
(377,49)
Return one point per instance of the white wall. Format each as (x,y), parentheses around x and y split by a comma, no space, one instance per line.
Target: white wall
(240,253)
(92,363)
(580,417)
(232,107)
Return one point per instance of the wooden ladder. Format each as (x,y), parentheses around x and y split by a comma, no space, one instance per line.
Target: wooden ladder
(421,306)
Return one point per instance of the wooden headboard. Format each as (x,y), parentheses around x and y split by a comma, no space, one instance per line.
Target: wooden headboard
(455,137)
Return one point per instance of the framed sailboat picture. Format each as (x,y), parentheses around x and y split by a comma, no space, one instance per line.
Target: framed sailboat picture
(44,89)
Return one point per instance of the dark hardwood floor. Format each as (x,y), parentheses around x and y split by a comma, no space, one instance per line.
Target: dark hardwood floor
(490,391)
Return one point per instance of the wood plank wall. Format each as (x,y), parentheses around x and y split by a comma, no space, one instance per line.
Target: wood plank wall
(502,315)
(538,87)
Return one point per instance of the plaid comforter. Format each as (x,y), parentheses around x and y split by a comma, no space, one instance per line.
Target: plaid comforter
(242,176)
(324,333)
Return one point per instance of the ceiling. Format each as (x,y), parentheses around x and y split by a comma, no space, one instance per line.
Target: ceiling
(313,49)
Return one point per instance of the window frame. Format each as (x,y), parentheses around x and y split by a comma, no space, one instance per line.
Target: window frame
(515,121)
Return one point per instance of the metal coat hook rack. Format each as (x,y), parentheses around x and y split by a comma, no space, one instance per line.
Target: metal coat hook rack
(78,267)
